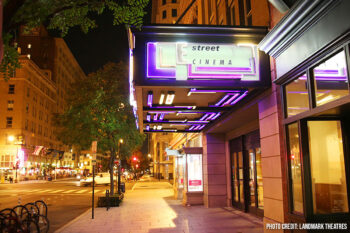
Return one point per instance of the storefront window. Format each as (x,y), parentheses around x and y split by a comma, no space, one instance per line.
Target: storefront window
(259,179)
(295,168)
(297,97)
(331,79)
(329,191)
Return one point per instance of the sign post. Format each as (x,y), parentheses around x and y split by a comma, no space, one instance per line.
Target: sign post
(93,163)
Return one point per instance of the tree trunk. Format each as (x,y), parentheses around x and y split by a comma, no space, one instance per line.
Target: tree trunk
(111,165)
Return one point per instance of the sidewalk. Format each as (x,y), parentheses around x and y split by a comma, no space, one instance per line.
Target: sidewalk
(38,181)
(150,207)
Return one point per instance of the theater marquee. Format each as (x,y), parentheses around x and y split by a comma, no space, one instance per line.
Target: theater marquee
(202,61)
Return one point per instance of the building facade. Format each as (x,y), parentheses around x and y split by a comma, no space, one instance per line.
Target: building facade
(38,90)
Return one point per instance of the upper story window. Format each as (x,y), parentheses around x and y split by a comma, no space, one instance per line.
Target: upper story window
(164,2)
(164,14)
(331,79)
(8,122)
(173,12)
(297,97)
(321,83)
(10,104)
(173,1)
(11,88)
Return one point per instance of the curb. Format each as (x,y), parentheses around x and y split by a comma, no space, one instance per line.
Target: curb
(72,221)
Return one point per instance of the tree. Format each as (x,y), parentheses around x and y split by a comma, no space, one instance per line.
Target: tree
(99,110)
(61,15)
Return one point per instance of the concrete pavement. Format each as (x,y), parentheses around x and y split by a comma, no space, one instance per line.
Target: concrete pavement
(150,207)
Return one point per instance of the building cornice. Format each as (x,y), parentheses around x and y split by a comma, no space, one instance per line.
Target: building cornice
(299,19)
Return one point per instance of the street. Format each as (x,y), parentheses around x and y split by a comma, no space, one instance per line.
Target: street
(65,198)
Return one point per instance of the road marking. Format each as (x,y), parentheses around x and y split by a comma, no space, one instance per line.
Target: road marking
(57,191)
(70,191)
(82,191)
(34,190)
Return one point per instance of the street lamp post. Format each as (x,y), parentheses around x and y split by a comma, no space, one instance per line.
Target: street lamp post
(121,141)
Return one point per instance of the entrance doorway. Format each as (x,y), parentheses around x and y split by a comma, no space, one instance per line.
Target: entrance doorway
(247,185)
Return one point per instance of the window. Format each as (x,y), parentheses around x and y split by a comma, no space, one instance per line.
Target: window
(173,12)
(28,91)
(173,1)
(295,168)
(11,89)
(164,14)
(8,122)
(27,108)
(330,78)
(328,179)
(297,96)
(26,124)
(164,2)
(248,6)
(10,104)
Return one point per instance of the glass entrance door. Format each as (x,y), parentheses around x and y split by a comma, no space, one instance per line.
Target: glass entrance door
(237,173)
(247,185)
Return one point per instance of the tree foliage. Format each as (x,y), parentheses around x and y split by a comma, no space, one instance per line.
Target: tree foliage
(62,15)
(99,110)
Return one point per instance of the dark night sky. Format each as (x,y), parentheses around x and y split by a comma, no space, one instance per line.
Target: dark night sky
(107,43)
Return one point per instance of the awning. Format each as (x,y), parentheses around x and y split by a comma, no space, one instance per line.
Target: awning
(37,150)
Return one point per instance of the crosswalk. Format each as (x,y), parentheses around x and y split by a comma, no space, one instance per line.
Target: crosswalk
(51,191)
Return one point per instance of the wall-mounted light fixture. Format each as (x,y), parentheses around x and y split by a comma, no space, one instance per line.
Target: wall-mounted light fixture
(150,98)
(170,98)
(161,98)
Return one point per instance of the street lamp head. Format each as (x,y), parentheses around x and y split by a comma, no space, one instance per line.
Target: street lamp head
(121,140)
(149,155)
(11,138)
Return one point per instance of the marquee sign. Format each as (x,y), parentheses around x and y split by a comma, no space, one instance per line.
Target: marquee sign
(202,61)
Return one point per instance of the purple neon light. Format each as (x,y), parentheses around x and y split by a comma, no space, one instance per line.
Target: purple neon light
(194,90)
(197,127)
(162,116)
(222,100)
(239,98)
(191,128)
(216,116)
(188,107)
(155,117)
(231,99)
(180,121)
(148,117)
(152,70)
(204,116)
(211,116)
(147,127)
(211,76)
(162,112)
(150,99)
(202,126)
(224,69)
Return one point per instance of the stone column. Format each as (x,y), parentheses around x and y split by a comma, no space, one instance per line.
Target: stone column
(214,170)
(272,157)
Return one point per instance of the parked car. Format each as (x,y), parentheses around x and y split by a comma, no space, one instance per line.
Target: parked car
(100,178)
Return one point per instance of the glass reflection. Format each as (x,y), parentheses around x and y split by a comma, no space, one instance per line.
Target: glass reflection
(331,79)
(297,96)
(295,168)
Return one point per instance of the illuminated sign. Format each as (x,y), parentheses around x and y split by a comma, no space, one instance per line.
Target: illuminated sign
(195,176)
(202,61)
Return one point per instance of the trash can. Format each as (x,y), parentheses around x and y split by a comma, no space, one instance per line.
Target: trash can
(122,187)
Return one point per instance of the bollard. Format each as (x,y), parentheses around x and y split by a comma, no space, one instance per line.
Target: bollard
(107,199)
(19,202)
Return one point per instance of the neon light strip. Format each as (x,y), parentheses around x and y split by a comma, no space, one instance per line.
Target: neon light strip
(148,117)
(223,69)
(204,116)
(152,71)
(216,116)
(211,116)
(239,98)
(155,117)
(162,116)
(150,98)
(222,100)
(200,128)
(231,99)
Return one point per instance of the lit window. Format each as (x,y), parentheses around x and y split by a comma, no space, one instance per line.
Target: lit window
(297,96)
(331,79)
(8,122)
(10,104)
